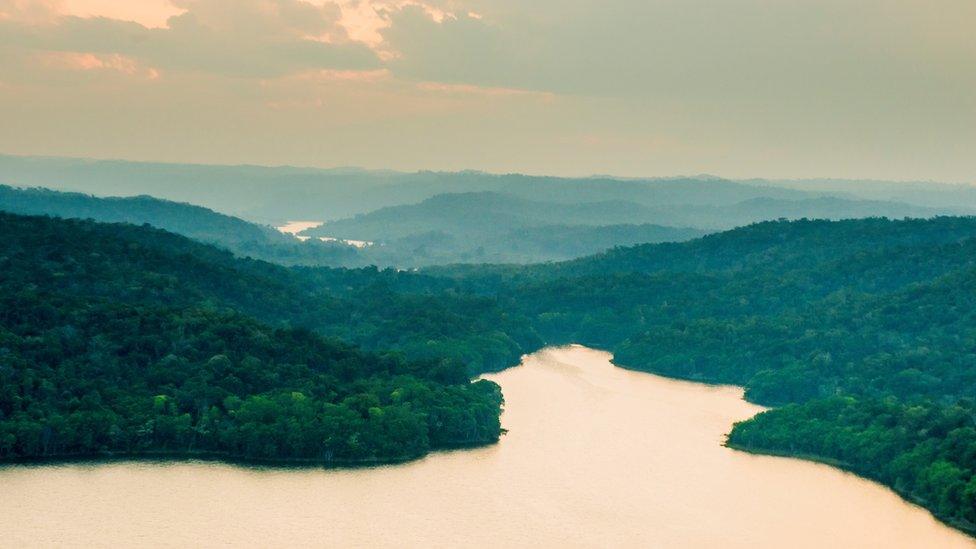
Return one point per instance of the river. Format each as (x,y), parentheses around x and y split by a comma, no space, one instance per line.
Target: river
(595,456)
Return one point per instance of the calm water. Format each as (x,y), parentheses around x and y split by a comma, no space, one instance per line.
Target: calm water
(595,456)
(295,227)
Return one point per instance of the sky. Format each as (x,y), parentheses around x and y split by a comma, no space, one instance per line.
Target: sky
(882,89)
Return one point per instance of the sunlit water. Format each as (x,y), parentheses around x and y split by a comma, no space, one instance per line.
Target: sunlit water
(295,227)
(595,456)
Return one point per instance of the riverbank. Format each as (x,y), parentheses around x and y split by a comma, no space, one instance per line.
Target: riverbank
(219,457)
(964,526)
(967,528)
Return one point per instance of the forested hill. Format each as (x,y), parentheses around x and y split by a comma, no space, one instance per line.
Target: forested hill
(118,340)
(193,221)
(139,264)
(771,245)
(242,237)
(782,246)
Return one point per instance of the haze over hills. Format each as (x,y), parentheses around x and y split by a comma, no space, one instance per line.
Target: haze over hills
(277,194)
(487,214)
(511,238)
(922,193)
(196,222)
(488,227)
(479,227)
(202,224)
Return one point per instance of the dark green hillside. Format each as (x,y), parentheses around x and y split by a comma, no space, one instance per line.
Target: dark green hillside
(561,242)
(924,450)
(114,340)
(141,265)
(915,342)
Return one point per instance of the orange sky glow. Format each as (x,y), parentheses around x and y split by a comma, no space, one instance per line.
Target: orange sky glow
(149,13)
(738,88)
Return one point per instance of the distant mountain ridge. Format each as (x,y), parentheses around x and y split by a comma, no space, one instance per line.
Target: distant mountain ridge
(489,213)
(277,194)
(424,218)
(202,224)
(194,221)
(428,245)
(478,214)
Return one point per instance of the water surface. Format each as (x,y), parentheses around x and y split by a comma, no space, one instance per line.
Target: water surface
(595,456)
(295,227)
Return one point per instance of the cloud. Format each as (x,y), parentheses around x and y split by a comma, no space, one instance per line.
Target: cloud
(75,61)
(673,48)
(29,11)
(870,88)
(456,49)
(241,38)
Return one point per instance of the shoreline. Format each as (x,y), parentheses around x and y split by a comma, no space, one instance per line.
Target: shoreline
(227,459)
(965,528)
(968,529)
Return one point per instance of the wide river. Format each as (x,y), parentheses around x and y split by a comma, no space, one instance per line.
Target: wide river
(595,456)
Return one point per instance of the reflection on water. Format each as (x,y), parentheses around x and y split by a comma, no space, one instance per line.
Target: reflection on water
(595,456)
(295,227)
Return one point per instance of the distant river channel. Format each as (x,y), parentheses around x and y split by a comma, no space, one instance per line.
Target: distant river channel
(595,456)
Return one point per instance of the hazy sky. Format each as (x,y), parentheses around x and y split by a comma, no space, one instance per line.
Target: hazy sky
(776,88)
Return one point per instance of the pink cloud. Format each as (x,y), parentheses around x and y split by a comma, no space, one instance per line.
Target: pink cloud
(32,12)
(148,13)
(470,89)
(84,61)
